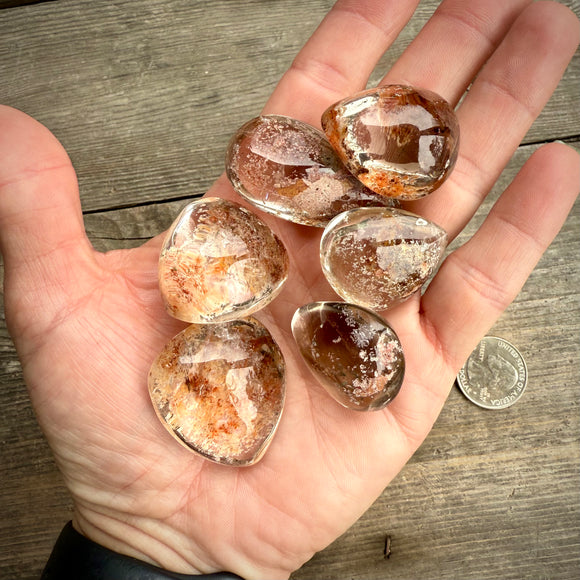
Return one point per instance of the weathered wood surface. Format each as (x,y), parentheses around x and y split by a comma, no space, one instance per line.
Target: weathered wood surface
(144,95)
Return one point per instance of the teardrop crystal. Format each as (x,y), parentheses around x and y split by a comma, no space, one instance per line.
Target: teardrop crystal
(378,257)
(219,389)
(354,354)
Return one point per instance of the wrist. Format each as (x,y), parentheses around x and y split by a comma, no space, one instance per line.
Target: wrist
(77,557)
(143,538)
(198,545)
(201,549)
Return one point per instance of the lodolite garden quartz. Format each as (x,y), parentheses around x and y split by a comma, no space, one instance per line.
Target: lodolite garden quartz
(218,386)
(378,257)
(354,354)
(219,389)
(219,262)
(400,141)
(288,168)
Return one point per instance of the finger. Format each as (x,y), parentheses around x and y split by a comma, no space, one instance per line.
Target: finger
(41,224)
(501,106)
(339,57)
(479,280)
(454,44)
(39,205)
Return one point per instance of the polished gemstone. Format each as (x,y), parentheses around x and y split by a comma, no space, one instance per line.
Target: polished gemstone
(219,389)
(355,354)
(378,257)
(219,262)
(288,168)
(399,141)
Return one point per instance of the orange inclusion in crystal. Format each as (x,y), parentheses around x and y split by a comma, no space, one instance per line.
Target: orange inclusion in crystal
(219,262)
(219,389)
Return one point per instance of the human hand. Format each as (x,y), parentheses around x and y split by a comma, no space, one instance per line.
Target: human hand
(87,326)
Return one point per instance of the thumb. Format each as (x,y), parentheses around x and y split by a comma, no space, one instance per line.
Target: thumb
(42,234)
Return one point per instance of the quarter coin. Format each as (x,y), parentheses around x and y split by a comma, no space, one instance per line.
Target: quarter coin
(495,374)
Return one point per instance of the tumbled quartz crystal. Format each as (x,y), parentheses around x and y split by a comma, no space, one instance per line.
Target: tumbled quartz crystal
(219,389)
(400,141)
(219,262)
(288,168)
(378,257)
(354,354)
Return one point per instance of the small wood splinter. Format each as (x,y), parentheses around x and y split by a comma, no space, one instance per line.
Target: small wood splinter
(387,551)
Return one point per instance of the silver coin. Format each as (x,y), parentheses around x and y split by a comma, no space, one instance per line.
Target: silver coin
(495,374)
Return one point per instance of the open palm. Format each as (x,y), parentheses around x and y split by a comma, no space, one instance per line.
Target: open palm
(88,325)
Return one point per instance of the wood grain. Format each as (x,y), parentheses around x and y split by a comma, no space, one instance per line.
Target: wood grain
(145,95)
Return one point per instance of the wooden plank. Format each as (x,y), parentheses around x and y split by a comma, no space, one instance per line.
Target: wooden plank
(489,494)
(145,95)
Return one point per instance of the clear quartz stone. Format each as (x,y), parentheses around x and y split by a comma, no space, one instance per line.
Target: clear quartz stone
(399,141)
(378,257)
(219,389)
(354,354)
(219,262)
(288,168)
